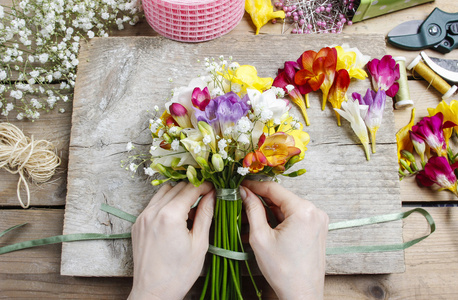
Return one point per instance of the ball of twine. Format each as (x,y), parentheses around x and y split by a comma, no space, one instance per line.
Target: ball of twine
(22,155)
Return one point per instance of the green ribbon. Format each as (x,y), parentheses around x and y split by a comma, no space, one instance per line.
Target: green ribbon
(228,194)
(232,254)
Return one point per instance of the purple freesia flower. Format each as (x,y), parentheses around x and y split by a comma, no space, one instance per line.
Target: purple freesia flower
(430,129)
(384,74)
(375,102)
(223,111)
(440,173)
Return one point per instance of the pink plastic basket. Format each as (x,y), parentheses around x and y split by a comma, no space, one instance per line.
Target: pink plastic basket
(193,20)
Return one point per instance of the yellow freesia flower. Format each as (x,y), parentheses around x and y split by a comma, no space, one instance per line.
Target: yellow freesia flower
(261,12)
(247,77)
(349,60)
(403,137)
(450,113)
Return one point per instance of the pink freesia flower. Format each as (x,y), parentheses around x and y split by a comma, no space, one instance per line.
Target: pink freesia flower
(384,74)
(438,172)
(200,98)
(430,129)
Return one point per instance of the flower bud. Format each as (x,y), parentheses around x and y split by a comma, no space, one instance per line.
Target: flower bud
(207,130)
(406,166)
(180,115)
(203,163)
(409,156)
(218,163)
(167,138)
(191,174)
(158,182)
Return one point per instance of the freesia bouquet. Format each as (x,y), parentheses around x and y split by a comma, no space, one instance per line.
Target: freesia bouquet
(430,139)
(220,128)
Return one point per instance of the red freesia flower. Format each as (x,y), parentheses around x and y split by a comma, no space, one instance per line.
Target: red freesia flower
(318,70)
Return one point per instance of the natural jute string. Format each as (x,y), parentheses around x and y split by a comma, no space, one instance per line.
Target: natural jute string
(22,155)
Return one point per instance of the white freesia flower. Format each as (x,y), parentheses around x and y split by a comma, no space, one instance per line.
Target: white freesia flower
(166,157)
(183,95)
(352,112)
(267,106)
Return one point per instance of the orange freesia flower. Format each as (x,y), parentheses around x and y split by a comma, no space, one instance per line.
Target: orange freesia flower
(278,148)
(255,161)
(318,71)
(338,92)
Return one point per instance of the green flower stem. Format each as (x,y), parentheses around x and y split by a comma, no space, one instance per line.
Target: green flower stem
(204,289)
(224,233)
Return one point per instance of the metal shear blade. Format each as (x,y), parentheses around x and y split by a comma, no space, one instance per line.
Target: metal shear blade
(439,31)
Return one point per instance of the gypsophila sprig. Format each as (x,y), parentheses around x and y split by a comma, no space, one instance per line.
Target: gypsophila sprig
(39,42)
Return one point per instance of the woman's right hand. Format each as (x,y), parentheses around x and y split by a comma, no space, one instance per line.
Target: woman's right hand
(292,257)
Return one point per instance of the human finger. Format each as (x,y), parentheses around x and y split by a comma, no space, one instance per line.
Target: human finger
(159,194)
(187,196)
(254,210)
(203,218)
(286,200)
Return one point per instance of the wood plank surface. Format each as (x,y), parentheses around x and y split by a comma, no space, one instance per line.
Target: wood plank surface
(118,83)
(35,272)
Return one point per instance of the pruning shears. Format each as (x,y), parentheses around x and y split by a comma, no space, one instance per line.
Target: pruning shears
(438,31)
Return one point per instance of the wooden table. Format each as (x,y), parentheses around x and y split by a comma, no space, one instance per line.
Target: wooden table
(431,266)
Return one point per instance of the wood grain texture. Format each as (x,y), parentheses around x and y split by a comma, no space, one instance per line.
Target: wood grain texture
(120,79)
(34,273)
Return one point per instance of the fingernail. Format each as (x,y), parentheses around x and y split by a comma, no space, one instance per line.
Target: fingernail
(242,192)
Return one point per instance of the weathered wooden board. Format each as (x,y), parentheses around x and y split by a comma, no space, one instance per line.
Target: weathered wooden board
(120,79)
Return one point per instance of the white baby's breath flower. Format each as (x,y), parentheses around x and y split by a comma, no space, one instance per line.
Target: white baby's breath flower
(244,125)
(129,146)
(16,94)
(90,34)
(243,171)
(207,139)
(149,171)
(175,145)
(133,167)
(290,87)
(236,88)
(2,75)
(43,57)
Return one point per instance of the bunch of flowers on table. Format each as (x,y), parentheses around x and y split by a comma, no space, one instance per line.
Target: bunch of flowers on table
(39,43)
(220,128)
(430,139)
